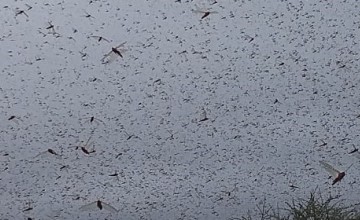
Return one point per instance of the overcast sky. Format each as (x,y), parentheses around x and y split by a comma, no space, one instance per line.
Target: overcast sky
(164,111)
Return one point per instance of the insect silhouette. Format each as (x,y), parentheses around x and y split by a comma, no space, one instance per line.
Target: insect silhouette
(87,15)
(98,205)
(116,174)
(338,175)
(205,12)
(117,51)
(48,152)
(129,136)
(203,116)
(85,146)
(51,30)
(92,119)
(323,144)
(100,38)
(292,186)
(354,151)
(19,12)
(29,7)
(14,119)
(51,151)
(11,117)
(51,26)
(28,207)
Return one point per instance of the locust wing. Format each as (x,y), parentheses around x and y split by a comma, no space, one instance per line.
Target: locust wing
(109,207)
(206,12)
(89,207)
(333,172)
(98,205)
(120,45)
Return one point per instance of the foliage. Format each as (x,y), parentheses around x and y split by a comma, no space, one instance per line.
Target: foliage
(313,208)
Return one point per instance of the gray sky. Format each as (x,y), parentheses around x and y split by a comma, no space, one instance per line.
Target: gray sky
(199,119)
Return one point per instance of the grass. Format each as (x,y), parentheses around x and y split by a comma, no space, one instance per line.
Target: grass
(313,208)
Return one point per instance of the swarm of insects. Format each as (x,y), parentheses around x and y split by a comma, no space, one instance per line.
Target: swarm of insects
(98,205)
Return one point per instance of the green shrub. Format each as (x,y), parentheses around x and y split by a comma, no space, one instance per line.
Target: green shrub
(313,208)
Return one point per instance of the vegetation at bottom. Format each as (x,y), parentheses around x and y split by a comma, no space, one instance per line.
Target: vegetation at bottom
(316,207)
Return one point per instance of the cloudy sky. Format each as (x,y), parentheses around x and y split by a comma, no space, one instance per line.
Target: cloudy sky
(163,111)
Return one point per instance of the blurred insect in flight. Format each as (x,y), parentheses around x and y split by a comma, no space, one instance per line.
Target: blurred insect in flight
(100,38)
(115,51)
(205,12)
(95,120)
(14,119)
(19,12)
(47,153)
(11,117)
(338,175)
(85,146)
(355,152)
(29,7)
(98,205)
(50,27)
(203,115)
(51,30)
(87,15)
(29,207)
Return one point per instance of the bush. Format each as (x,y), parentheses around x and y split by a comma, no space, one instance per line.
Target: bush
(313,208)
